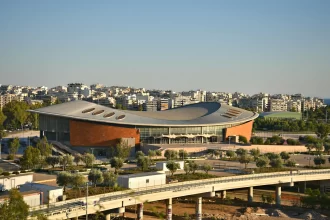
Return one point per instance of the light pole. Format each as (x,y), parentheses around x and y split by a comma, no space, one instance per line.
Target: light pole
(87,200)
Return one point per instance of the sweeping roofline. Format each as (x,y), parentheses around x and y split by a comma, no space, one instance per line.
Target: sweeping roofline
(255,115)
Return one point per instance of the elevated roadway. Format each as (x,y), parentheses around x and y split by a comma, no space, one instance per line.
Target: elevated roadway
(208,187)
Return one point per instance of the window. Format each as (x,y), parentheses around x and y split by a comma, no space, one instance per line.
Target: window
(120,117)
(88,110)
(98,112)
(108,115)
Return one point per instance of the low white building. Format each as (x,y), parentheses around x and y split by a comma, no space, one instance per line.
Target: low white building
(51,194)
(162,165)
(141,180)
(32,198)
(13,181)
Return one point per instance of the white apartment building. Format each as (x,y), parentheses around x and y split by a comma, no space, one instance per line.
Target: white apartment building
(294,106)
(278,105)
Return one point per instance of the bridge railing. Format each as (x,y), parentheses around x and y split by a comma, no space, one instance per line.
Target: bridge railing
(181,185)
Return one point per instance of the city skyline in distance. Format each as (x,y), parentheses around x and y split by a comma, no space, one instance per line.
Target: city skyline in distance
(251,47)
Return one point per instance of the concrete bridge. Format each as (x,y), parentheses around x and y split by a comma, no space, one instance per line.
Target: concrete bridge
(117,201)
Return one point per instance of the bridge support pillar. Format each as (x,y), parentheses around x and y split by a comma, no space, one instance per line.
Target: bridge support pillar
(199,208)
(108,217)
(140,211)
(278,195)
(169,209)
(223,194)
(250,194)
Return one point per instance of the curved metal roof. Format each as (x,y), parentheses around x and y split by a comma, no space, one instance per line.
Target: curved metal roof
(199,114)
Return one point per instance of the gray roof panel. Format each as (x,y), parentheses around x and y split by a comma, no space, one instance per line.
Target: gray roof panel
(199,114)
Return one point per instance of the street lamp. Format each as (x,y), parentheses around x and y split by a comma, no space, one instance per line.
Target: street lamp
(309,160)
(87,183)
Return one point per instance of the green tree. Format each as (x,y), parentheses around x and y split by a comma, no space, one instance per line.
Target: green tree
(272,156)
(143,162)
(262,161)
(193,166)
(230,154)
(318,161)
(276,163)
(245,159)
(291,163)
(158,153)
(77,180)
(44,147)
(255,153)
(171,154)
(121,150)
(66,160)
(257,140)
(21,114)
(186,168)
(119,106)
(151,154)
(116,163)
(95,176)
(13,146)
(309,147)
(63,179)
(2,119)
(241,151)
(172,166)
(139,154)
(88,159)
(322,130)
(31,158)
(285,155)
(206,168)
(110,179)
(243,139)
(318,147)
(14,207)
(53,161)
(326,146)
(183,154)
(77,159)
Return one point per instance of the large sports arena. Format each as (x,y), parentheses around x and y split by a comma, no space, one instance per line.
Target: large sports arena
(85,124)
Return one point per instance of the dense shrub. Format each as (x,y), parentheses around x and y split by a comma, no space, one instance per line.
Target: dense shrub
(242,139)
(16,172)
(292,142)
(257,140)
(10,157)
(6,173)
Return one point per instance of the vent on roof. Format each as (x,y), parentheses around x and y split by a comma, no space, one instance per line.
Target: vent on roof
(108,115)
(226,116)
(88,110)
(120,117)
(98,112)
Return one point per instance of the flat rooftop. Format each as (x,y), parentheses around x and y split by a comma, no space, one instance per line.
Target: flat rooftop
(141,174)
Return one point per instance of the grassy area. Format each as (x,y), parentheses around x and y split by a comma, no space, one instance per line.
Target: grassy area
(191,176)
(75,193)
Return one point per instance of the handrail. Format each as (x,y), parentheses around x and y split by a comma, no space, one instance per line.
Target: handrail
(167,187)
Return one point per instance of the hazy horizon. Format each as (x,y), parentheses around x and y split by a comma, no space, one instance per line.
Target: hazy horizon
(246,46)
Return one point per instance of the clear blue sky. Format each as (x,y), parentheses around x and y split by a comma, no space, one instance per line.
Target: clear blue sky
(279,46)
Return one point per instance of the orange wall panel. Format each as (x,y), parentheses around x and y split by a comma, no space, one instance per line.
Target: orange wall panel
(93,134)
(243,129)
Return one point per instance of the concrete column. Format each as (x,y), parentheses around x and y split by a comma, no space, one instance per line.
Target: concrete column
(223,194)
(169,209)
(250,194)
(199,208)
(140,211)
(278,195)
(108,217)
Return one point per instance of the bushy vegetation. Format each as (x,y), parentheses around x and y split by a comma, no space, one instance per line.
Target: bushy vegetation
(192,176)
